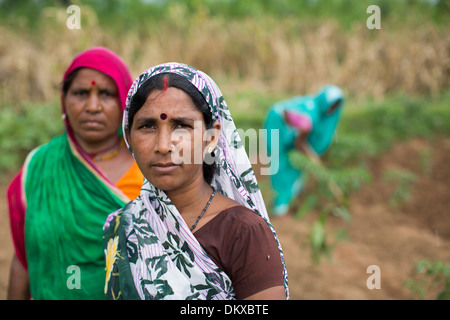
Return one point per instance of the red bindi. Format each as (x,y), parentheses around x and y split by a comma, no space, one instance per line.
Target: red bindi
(93,82)
(163,116)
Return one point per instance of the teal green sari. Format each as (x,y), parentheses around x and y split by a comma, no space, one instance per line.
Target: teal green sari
(67,203)
(287,181)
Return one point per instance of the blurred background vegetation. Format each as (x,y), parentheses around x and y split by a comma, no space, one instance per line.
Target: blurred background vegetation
(396,79)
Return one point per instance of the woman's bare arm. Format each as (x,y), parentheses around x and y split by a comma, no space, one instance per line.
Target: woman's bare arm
(19,285)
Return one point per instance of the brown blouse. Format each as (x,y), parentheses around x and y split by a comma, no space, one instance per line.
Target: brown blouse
(242,244)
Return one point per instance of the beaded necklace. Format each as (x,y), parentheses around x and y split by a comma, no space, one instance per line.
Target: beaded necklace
(201,214)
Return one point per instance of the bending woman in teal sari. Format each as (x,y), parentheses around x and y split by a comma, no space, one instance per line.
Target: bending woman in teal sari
(66,188)
(307,124)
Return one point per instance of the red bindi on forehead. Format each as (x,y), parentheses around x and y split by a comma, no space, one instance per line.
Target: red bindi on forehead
(93,82)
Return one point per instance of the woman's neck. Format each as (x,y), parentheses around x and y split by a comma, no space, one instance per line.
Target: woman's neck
(189,199)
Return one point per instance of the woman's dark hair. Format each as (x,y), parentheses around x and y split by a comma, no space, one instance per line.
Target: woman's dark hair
(174,80)
(68,81)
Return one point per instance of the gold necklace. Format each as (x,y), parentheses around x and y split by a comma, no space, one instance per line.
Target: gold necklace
(110,155)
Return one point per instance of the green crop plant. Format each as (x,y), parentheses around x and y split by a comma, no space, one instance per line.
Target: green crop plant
(24,128)
(426,161)
(404,180)
(329,196)
(429,275)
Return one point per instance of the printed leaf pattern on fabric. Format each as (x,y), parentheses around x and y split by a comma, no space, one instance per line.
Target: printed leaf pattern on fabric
(158,263)
(156,290)
(249,183)
(236,141)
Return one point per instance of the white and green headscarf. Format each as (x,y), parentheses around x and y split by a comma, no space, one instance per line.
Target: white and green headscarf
(150,251)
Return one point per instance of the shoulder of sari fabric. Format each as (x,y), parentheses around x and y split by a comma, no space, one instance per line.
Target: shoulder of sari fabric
(112,220)
(25,172)
(121,217)
(29,156)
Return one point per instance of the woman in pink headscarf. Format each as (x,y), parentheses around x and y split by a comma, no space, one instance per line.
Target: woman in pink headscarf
(66,188)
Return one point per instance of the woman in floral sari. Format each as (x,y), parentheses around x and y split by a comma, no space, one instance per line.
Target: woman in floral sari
(61,197)
(199,229)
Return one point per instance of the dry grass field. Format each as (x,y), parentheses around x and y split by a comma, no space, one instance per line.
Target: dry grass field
(290,57)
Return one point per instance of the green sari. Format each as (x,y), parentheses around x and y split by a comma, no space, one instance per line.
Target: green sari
(67,203)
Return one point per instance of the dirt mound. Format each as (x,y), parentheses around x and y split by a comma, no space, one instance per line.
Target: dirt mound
(381,233)
(389,236)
